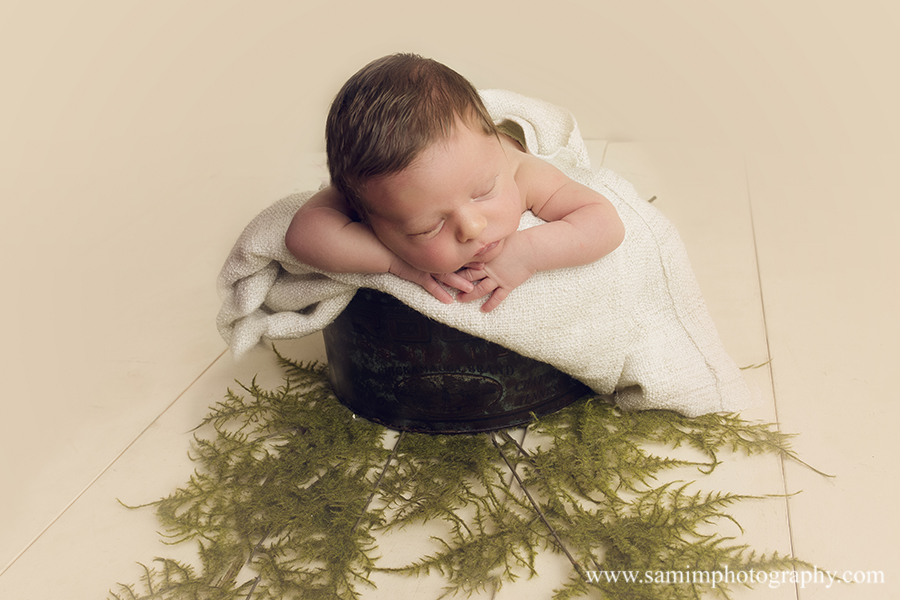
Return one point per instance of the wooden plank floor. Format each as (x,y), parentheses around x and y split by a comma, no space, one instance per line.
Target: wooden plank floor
(794,269)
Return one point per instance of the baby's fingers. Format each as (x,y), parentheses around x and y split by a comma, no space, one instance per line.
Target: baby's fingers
(494,301)
(455,280)
(482,288)
(472,273)
(434,288)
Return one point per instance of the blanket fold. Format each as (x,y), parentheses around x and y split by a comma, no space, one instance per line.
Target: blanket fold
(633,323)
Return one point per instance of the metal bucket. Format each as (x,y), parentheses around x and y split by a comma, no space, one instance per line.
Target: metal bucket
(395,366)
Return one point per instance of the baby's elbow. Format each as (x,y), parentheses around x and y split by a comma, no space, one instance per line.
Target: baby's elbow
(295,238)
(617,235)
(613,234)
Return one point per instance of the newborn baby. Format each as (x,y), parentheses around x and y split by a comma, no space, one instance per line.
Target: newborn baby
(424,186)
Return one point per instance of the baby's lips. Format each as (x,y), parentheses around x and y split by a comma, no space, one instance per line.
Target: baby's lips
(473,265)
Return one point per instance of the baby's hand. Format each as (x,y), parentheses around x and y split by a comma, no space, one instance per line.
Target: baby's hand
(498,277)
(429,281)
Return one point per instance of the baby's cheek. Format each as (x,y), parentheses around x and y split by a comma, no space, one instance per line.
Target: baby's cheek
(513,213)
(437,259)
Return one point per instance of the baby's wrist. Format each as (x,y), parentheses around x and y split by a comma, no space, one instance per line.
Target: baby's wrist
(522,246)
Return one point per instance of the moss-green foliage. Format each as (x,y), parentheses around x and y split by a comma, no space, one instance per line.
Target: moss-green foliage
(292,488)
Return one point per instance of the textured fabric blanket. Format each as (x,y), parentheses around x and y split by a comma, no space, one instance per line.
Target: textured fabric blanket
(633,323)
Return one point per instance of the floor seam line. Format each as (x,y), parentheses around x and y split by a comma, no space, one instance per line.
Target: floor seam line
(759,281)
(108,466)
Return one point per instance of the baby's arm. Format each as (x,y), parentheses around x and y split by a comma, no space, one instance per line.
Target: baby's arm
(323,235)
(582,227)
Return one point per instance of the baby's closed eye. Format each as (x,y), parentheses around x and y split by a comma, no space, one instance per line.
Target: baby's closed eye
(488,191)
(429,232)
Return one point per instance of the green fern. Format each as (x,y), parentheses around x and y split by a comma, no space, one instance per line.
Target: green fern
(294,489)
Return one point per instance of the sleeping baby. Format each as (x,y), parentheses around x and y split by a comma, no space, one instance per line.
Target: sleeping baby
(438,191)
(424,186)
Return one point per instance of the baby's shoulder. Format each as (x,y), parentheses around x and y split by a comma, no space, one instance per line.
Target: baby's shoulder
(536,179)
(517,155)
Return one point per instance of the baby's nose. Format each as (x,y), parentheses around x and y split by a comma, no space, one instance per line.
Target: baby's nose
(471,224)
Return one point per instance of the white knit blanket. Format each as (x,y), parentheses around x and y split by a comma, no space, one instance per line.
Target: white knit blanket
(633,323)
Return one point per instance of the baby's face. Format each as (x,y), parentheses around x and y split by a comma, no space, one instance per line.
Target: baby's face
(455,204)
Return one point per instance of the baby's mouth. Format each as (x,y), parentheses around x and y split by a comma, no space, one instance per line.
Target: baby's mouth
(487,248)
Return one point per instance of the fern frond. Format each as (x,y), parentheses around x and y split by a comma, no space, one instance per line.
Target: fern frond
(290,485)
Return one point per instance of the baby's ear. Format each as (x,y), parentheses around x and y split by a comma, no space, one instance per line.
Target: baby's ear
(359,213)
(513,130)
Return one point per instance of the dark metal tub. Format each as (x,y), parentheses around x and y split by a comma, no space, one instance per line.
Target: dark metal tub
(392,365)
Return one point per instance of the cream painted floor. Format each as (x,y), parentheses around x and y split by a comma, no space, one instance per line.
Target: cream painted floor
(795,266)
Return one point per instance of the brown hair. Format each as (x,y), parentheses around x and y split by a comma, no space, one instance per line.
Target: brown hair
(389,112)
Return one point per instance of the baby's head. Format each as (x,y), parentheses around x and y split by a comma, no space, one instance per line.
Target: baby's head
(388,113)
